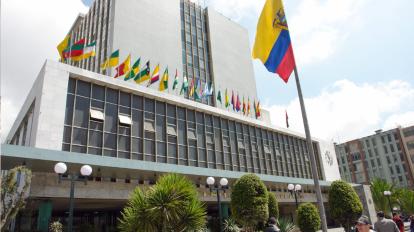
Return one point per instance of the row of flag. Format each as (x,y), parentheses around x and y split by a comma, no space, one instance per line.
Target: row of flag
(78,51)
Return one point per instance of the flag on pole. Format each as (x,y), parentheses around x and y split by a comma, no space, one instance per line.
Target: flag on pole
(206,91)
(184,86)
(112,61)
(219,97)
(233,101)
(272,43)
(62,46)
(248,106)
(287,119)
(191,93)
(134,70)
(124,67)
(144,74)
(89,50)
(255,109)
(198,90)
(175,80)
(244,107)
(75,51)
(155,75)
(258,110)
(238,103)
(226,99)
(164,80)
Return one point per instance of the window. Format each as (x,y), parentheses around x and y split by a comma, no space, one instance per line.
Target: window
(389,137)
(392,148)
(171,130)
(149,125)
(96,114)
(124,119)
(385,149)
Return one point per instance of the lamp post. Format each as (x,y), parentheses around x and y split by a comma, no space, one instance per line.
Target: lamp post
(388,195)
(294,189)
(223,186)
(85,171)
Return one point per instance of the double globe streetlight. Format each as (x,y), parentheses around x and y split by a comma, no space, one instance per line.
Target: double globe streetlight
(294,189)
(85,171)
(388,195)
(222,187)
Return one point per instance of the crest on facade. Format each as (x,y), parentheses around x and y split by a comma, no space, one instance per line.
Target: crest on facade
(328,158)
(279,20)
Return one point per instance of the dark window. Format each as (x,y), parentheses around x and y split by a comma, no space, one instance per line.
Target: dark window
(111,118)
(112,96)
(125,99)
(71,85)
(95,138)
(110,141)
(69,109)
(81,112)
(98,92)
(83,88)
(79,136)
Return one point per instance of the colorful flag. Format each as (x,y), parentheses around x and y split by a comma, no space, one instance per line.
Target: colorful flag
(89,50)
(248,106)
(191,93)
(287,119)
(184,86)
(175,80)
(238,103)
(244,107)
(198,90)
(233,101)
(255,109)
(258,109)
(74,51)
(144,74)
(208,90)
(124,67)
(164,80)
(64,45)
(226,99)
(134,70)
(112,61)
(219,97)
(155,75)
(272,44)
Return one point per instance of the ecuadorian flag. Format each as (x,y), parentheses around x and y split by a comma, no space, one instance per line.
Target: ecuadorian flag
(272,44)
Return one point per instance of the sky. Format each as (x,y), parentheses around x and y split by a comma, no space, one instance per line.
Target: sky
(354,57)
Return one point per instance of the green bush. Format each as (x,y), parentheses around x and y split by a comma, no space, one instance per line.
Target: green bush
(249,203)
(344,204)
(308,217)
(273,205)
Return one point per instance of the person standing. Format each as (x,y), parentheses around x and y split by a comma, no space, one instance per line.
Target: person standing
(412,223)
(271,225)
(384,224)
(363,224)
(400,224)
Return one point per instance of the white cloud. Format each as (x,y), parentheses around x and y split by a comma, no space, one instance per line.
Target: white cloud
(318,28)
(237,9)
(30,32)
(347,110)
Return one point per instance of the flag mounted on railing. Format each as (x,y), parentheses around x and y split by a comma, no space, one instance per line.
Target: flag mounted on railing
(155,75)
(164,80)
(134,70)
(124,67)
(75,51)
(175,80)
(112,61)
(226,99)
(219,97)
(184,86)
(144,74)
(64,45)
(287,119)
(272,43)
(248,106)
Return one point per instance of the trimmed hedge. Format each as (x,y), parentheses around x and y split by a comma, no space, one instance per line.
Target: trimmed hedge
(273,205)
(308,217)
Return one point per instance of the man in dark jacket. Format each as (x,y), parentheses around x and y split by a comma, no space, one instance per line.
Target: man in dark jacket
(384,224)
(400,224)
(271,225)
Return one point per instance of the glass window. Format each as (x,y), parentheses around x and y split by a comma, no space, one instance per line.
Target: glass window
(112,96)
(83,88)
(95,138)
(137,102)
(111,117)
(98,92)
(125,99)
(82,112)
(79,136)
(110,141)
(71,85)
(149,147)
(136,145)
(137,123)
(69,109)
(124,143)
(149,105)
(160,108)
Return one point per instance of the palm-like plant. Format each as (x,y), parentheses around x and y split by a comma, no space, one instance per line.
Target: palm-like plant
(406,201)
(378,186)
(286,225)
(230,225)
(170,205)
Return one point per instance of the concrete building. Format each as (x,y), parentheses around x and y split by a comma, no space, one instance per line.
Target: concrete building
(131,134)
(384,155)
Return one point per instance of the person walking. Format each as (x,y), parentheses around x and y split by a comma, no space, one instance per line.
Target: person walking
(412,223)
(400,224)
(363,224)
(384,224)
(271,225)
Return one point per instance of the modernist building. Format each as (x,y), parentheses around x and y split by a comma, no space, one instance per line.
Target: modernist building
(131,134)
(385,155)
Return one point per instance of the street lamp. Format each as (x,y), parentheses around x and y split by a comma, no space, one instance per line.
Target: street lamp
(294,189)
(388,195)
(223,186)
(60,169)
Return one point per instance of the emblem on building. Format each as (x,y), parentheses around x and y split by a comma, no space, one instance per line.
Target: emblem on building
(279,20)
(328,158)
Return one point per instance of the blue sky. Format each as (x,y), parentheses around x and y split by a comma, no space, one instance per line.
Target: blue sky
(355,59)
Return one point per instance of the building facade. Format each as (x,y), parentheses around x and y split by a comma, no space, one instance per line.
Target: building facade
(384,155)
(131,134)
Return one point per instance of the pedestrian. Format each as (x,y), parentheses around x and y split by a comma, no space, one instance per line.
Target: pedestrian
(384,224)
(271,225)
(412,223)
(397,219)
(363,224)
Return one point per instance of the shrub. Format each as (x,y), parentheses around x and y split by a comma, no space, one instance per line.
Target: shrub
(273,205)
(308,217)
(344,204)
(249,203)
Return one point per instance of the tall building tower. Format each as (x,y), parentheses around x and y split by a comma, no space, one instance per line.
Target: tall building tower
(384,155)
(131,134)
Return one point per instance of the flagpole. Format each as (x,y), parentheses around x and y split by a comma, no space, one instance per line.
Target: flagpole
(311,154)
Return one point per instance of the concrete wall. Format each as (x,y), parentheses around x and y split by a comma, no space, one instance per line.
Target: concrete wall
(329,162)
(150,29)
(231,65)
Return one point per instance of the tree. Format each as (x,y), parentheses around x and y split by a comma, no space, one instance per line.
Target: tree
(406,201)
(170,205)
(273,205)
(308,217)
(378,186)
(249,201)
(344,204)
(14,191)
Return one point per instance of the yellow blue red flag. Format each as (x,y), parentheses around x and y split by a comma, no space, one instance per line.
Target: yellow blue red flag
(272,44)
